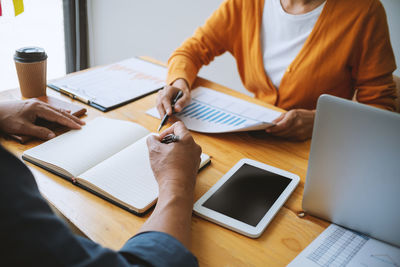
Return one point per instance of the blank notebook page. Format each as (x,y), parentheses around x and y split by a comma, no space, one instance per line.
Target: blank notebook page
(78,150)
(127,176)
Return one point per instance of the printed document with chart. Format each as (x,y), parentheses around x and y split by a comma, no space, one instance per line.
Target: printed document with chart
(213,112)
(113,85)
(337,246)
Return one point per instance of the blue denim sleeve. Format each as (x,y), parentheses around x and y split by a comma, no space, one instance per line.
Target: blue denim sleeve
(159,249)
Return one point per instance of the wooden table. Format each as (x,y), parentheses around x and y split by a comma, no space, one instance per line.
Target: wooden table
(213,245)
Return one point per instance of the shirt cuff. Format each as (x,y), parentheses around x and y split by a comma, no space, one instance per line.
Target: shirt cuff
(181,67)
(159,249)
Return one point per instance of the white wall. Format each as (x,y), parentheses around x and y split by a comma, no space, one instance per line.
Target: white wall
(124,28)
(392,8)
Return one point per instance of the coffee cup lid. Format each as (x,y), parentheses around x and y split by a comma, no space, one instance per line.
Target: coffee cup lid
(30,54)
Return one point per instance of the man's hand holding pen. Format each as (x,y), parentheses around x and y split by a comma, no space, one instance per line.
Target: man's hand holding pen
(175,165)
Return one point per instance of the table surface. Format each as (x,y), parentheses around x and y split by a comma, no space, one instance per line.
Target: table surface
(285,237)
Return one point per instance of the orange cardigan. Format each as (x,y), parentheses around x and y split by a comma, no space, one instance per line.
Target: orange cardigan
(349,49)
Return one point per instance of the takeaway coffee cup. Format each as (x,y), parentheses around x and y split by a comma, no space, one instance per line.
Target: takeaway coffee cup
(31,65)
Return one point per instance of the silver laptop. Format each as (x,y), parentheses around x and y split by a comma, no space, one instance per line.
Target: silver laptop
(353,176)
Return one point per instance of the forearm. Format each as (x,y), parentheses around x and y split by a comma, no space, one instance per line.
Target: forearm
(172,214)
(197,51)
(379,92)
(374,62)
(212,39)
(181,67)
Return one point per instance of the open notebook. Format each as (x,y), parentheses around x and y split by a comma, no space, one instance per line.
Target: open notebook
(106,157)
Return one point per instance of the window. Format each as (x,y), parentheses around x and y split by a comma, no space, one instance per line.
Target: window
(41,24)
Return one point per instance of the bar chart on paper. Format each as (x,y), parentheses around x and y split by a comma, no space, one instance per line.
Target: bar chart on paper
(213,112)
(337,246)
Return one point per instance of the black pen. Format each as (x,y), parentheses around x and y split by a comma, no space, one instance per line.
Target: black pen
(165,119)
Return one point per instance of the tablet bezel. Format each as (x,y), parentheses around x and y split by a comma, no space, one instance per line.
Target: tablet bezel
(236,225)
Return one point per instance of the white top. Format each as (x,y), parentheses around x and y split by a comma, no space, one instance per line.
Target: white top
(283,36)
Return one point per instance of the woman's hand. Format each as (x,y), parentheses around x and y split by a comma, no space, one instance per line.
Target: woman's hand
(296,124)
(167,94)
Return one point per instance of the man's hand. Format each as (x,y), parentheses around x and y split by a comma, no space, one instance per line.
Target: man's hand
(296,124)
(175,164)
(19,117)
(167,94)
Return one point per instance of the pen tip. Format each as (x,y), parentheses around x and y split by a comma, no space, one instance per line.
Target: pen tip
(159,128)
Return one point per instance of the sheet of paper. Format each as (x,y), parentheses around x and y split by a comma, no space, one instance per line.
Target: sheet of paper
(126,176)
(78,150)
(337,246)
(18,6)
(213,112)
(116,83)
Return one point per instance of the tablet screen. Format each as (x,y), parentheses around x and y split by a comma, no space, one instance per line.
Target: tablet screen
(248,194)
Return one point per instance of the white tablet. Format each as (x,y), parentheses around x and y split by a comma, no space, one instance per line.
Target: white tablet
(247,197)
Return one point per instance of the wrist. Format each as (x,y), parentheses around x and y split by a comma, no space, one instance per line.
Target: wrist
(3,116)
(178,187)
(181,84)
(172,198)
(313,112)
(175,195)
